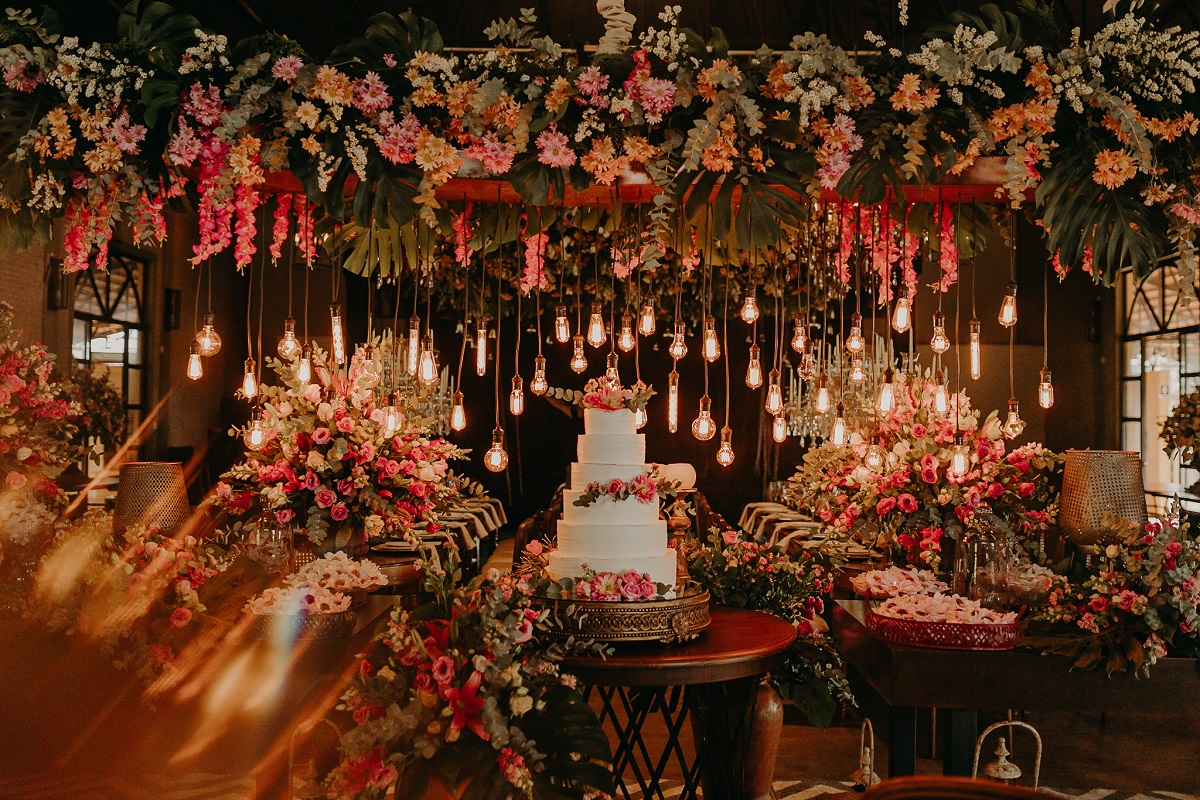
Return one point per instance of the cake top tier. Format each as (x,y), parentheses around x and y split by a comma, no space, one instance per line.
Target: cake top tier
(603,421)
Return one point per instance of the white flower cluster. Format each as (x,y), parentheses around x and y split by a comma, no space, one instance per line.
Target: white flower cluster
(339,573)
(1159,66)
(207,54)
(589,125)
(940,607)
(94,74)
(22,518)
(813,61)
(296,600)
(962,61)
(894,581)
(669,43)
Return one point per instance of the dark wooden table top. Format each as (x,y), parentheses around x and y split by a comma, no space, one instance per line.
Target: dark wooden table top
(738,644)
(920,677)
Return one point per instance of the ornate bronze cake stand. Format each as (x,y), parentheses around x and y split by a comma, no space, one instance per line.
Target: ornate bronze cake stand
(679,619)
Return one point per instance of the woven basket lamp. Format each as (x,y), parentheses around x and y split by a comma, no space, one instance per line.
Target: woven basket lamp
(1096,483)
(152,493)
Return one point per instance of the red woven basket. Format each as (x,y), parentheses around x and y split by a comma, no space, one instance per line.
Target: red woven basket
(945,635)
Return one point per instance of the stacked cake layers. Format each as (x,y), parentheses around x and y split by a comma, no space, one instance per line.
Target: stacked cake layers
(611,535)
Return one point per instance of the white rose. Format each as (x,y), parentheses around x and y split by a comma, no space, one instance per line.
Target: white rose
(427,473)
(325,412)
(23,453)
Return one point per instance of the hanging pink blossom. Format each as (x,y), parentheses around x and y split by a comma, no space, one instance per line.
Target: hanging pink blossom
(692,259)
(554,148)
(279,230)
(184,147)
(947,249)
(623,263)
(148,224)
(841,259)
(462,236)
(534,274)
(495,154)
(304,227)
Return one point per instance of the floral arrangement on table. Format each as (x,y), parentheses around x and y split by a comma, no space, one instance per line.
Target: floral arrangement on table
(608,587)
(649,487)
(1143,603)
(37,437)
(340,573)
(1180,431)
(298,599)
(461,692)
(329,460)
(104,134)
(740,572)
(102,414)
(913,499)
(605,394)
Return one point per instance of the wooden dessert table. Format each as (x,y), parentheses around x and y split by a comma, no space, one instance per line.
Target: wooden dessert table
(961,683)
(711,682)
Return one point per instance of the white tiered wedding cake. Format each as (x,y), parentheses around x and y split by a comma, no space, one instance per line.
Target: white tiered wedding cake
(613,533)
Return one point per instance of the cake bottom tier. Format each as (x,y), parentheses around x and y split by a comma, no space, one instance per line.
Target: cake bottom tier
(660,568)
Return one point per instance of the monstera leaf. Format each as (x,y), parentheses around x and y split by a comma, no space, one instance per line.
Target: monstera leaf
(161,34)
(387,35)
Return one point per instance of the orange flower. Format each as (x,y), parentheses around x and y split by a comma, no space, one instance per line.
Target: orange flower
(1113,168)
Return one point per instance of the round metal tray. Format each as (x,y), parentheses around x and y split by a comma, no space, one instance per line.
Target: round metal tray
(679,619)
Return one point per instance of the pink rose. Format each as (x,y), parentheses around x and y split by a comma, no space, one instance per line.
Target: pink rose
(180,617)
(15,480)
(345,486)
(929,475)
(919,431)
(885,506)
(907,503)
(443,669)
(729,537)
(321,436)
(615,485)
(313,393)
(418,489)
(361,715)
(326,498)
(339,512)
(284,516)
(1025,488)
(928,461)
(534,548)
(312,481)
(524,631)
(423,682)
(345,424)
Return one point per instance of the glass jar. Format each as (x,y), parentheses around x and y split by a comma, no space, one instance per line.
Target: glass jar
(268,542)
(982,559)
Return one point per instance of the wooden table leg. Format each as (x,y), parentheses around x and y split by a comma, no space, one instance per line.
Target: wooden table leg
(959,729)
(902,744)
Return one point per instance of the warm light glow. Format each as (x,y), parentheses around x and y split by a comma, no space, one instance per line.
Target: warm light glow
(855,342)
(611,368)
(887,393)
(875,458)
(799,336)
(338,334)
(1008,307)
(538,384)
(673,402)
(712,345)
(940,342)
(249,379)
(255,436)
(960,462)
(941,401)
(725,451)
(289,346)
(414,344)
(902,316)
(823,401)
(369,376)
(678,348)
(304,366)
(754,369)
(640,417)
(562,328)
(774,394)
(516,398)
(458,414)
(496,458)
(749,312)
(1045,389)
(578,359)
(808,364)
(1013,424)
(195,368)
(626,340)
(779,428)
(858,372)
(703,428)
(427,371)
(208,341)
(392,418)
(976,347)
(596,335)
(838,434)
(646,321)
(481,334)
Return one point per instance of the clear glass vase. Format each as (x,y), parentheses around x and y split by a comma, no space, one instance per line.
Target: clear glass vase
(269,543)
(981,564)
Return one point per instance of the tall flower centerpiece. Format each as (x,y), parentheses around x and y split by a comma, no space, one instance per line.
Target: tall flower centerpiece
(1181,429)
(328,458)
(913,496)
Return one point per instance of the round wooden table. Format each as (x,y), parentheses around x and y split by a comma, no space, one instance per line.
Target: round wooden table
(713,681)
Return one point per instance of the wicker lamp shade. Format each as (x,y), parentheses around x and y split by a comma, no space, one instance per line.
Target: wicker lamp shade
(152,493)
(1096,483)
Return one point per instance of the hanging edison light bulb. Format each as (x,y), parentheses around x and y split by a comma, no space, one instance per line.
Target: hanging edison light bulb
(875,458)
(887,392)
(1008,306)
(808,364)
(562,328)
(481,335)
(516,398)
(837,434)
(1045,389)
(774,404)
(855,342)
(195,367)
(393,419)
(338,334)
(725,451)
(578,359)
(304,366)
(976,348)
(823,400)
(538,384)
(596,335)
(703,427)
(779,428)
(941,398)
(902,315)
(427,369)
(496,458)
(799,336)
(368,376)
(673,402)
(646,321)
(678,348)
(749,312)
(414,344)
(255,437)
(640,417)
(858,372)
(611,367)
(625,339)
(960,461)
(940,342)
(288,346)
(1013,424)
(249,379)
(458,413)
(754,368)
(208,341)
(712,345)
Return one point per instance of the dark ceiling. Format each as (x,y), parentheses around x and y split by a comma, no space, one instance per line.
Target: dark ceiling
(320,24)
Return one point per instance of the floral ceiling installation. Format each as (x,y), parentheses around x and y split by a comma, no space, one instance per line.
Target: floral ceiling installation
(1100,130)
